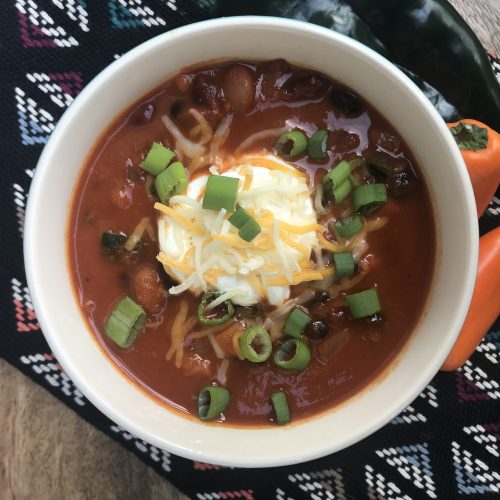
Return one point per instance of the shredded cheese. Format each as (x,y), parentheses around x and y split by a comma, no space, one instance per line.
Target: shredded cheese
(297,278)
(222,298)
(274,165)
(179,218)
(332,247)
(137,234)
(167,261)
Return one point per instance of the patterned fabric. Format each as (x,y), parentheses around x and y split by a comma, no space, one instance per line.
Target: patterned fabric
(444,445)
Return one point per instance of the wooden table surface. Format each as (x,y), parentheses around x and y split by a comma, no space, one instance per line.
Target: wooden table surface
(48,452)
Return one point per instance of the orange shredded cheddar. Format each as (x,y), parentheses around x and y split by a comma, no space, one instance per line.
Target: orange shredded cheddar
(179,218)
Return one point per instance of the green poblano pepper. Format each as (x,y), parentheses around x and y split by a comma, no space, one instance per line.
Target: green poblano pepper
(427,39)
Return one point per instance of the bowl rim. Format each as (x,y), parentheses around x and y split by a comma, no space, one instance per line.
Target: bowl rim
(31,263)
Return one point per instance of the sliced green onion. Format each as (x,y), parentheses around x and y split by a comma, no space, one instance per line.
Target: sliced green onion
(178,172)
(368,197)
(280,405)
(293,354)
(248,227)
(363,304)
(249,230)
(337,175)
(342,192)
(221,192)
(157,159)
(239,218)
(174,179)
(291,144)
(213,316)
(344,264)
(212,401)
(255,344)
(296,323)
(125,322)
(348,226)
(316,147)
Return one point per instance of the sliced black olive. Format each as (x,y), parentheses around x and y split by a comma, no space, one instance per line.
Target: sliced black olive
(317,330)
(401,180)
(321,297)
(112,243)
(346,103)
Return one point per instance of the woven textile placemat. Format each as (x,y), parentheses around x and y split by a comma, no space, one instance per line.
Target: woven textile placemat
(446,444)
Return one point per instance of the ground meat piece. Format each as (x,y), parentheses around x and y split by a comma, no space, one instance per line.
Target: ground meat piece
(148,289)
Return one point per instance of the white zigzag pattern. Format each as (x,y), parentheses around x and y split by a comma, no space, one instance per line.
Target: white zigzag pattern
(20,201)
(52,89)
(53,374)
(42,20)
(483,437)
(155,454)
(411,415)
(494,206)
(479,378)
(490,351)
(145,13)
(323,484)
(21,293)
(75,11)
(418,473)
(381,489)
(33,116)
(475,468)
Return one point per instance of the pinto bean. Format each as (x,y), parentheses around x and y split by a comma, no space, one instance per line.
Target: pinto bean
(239,88)
(148,289)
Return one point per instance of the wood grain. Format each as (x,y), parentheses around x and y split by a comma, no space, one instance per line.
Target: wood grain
(48,452)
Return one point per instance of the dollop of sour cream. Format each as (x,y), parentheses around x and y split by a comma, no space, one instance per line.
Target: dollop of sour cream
(202,251)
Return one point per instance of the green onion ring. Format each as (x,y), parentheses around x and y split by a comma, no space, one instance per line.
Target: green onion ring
(301,355)
(255,344)
(212,401)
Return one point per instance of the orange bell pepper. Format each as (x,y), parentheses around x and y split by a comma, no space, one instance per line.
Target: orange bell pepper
(485,306)
(480,146)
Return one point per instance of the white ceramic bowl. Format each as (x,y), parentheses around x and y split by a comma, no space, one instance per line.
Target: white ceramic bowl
(132,76)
